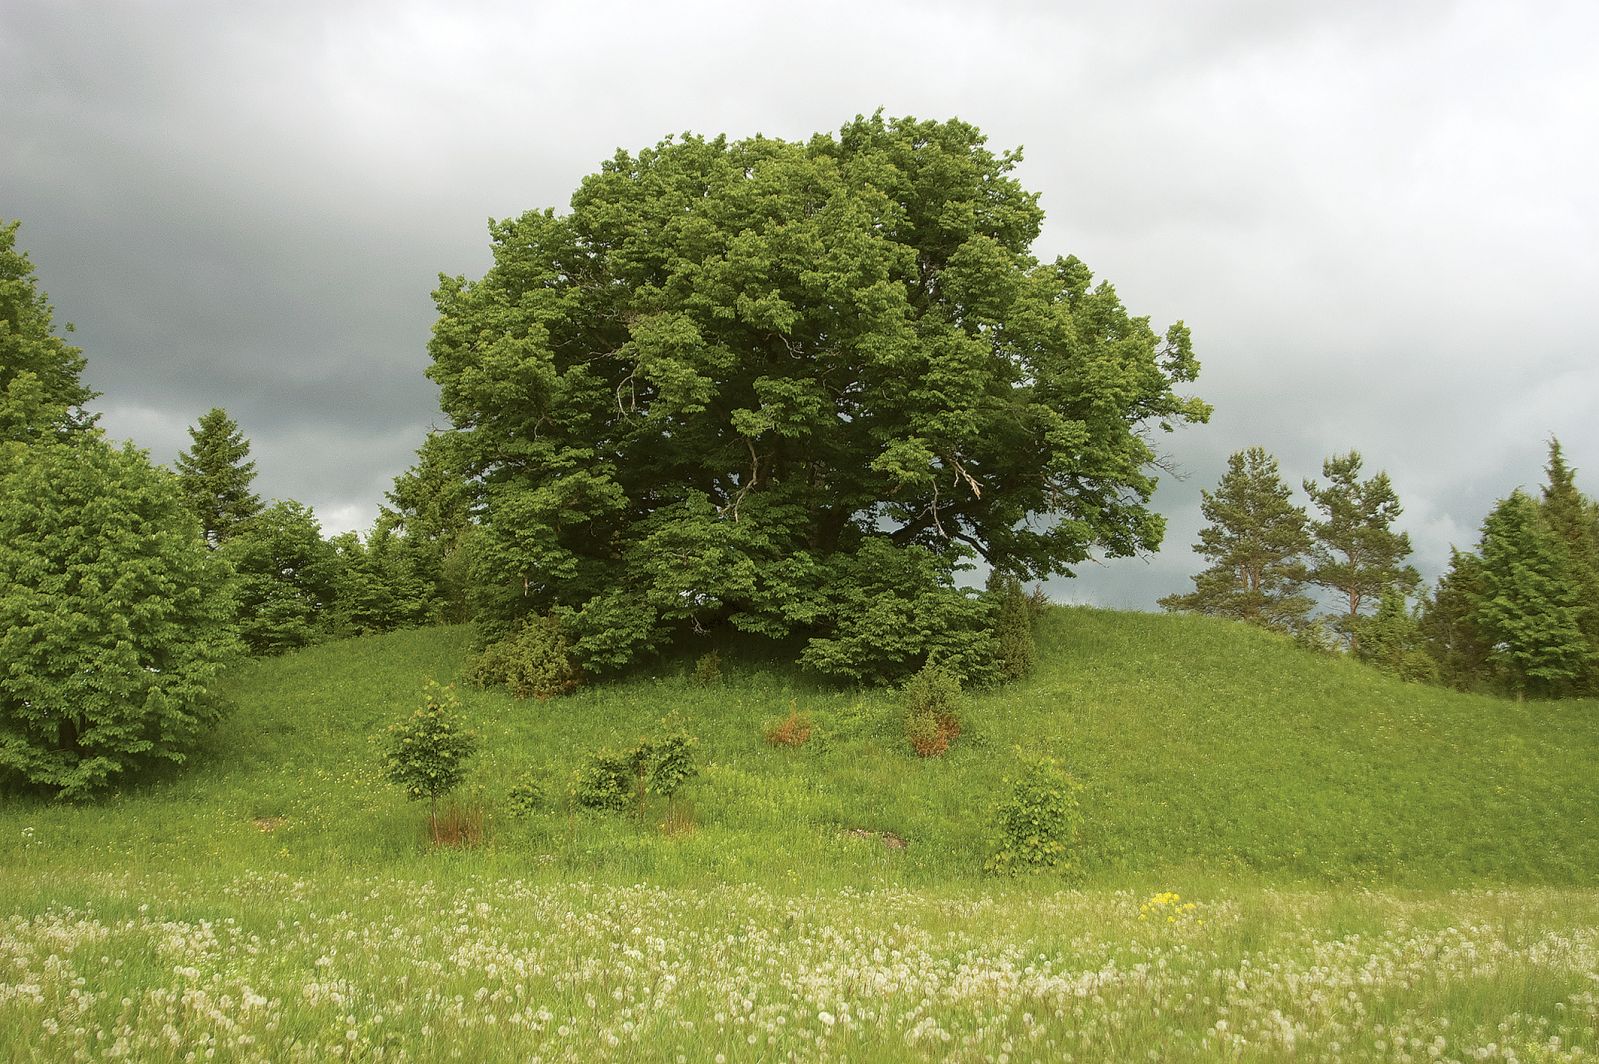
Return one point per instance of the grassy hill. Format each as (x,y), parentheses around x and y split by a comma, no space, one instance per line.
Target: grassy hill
(1208,750)
(277,901)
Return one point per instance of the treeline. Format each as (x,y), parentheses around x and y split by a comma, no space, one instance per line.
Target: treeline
(1518,615)
(292,585)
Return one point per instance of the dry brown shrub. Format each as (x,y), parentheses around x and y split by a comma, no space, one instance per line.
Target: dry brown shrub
(459,825)
(792,730)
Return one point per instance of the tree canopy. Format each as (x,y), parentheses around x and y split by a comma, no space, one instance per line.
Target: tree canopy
(701,394)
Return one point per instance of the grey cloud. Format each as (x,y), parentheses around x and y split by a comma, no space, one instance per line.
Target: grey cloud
(1379,221)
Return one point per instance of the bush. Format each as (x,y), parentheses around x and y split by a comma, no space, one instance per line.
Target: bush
(534,660)
(115,620)
(708,669)
(1038,820)
(792,730)
(658,766)
(527,796)
(932,701)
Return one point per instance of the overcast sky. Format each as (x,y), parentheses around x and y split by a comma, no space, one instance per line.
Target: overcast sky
(1380,220)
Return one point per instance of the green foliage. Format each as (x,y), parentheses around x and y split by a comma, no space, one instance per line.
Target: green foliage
(1531,612)
(708,669)
(1392,640)
(432,509)
(42,394)
(1449,627)
(1014,617)
(658,766)
(733,368)
(216,476)
(382,583)
(892,608)
(527,796)
(533,661)
(427,754)
(1356,553)
(287,577)
(115,621)
(1038,820)
(1573,518)
(1256,542)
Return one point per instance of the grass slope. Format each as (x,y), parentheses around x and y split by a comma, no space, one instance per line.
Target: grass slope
(1209,750)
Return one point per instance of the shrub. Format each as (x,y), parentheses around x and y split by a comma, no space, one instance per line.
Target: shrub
(534,660)
(427,754)
(1038,820)
(792,730)
(459,825)
(932,700)
(658,766)
(527,796)
(708,669)
(1014,649)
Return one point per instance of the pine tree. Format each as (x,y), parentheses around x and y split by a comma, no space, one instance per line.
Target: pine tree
(42,394)
(1531,611)
(1256,541)
(216,476)
(1570,516)
(1356,553)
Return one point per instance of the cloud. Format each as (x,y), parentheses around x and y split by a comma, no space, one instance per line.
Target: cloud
(1379,221)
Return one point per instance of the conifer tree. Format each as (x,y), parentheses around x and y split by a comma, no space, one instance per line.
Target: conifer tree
(1256,542)
(1391,639)
(1531,612)
(1449,625)
(1356,553)
(216,476)
(42,394)
(1570,516)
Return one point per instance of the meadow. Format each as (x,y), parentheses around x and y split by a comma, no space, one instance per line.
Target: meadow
(1286,856)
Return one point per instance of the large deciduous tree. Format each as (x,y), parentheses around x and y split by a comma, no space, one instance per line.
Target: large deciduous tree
(42,394)
(1355,551)
(1256,542)
(736,369)
(216,475)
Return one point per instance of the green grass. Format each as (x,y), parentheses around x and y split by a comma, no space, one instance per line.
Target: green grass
(1375,866)
(1208,750)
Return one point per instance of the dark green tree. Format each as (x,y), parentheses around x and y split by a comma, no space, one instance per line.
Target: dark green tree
(1256,542)
(383,583)
(1531,612)
(1391,639)
(1570,515)
(216,475)
(1449,627)
(42,394)
(287,577)
(732,366)
(431,505)
(1355,552)
(114,619)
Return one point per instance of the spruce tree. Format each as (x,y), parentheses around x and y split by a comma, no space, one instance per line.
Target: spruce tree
(1256,542)
(216,476)
(1449,628)
(1356,553)
(42,394)
(1570,516)
(1531,612)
